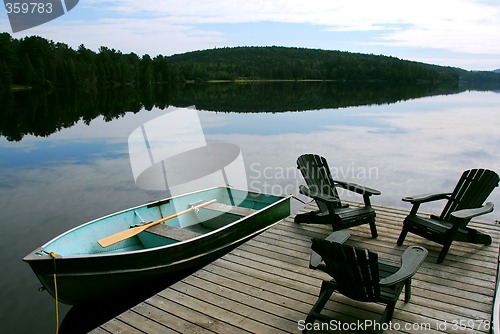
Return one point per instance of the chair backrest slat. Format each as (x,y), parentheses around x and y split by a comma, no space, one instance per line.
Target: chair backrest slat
(471,191)
(355,270)
(317,175)
(368,265)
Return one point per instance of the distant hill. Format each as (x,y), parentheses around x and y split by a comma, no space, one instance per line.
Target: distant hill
(480,80)
(286,63)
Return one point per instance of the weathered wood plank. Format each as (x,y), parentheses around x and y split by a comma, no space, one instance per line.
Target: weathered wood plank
(141,322)
(117,326)
(100,330)
(159,310)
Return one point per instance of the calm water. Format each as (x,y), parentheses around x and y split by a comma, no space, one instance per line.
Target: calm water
(50,184)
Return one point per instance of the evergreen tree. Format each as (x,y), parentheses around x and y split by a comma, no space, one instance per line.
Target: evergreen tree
(28,72)
(146,71)
(5,76)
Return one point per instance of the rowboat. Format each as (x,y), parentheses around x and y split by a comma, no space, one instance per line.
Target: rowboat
(194,229)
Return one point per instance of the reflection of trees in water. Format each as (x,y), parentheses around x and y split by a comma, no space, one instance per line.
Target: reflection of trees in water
(299,96)
(41,114)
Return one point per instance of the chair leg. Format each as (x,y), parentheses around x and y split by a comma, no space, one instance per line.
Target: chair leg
(373,229)
(388,312)
(407,290)
(402,236)
(444,251)
(386,316)
(327,289)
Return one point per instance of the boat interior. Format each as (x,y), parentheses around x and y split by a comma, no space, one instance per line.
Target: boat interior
(231,205)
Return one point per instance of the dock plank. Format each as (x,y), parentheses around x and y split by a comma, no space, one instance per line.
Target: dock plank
(173,315)
(265,286)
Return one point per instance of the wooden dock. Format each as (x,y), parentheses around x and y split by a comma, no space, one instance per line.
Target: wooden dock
(265,286)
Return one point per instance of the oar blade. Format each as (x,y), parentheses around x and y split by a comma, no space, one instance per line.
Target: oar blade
(117,237)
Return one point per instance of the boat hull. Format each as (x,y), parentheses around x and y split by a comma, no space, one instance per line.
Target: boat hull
(85,277)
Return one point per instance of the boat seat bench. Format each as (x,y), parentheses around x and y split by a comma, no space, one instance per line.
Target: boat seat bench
(231,209)
(182,234)
(174,233)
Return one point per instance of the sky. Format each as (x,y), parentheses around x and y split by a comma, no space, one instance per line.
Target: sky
(459,33)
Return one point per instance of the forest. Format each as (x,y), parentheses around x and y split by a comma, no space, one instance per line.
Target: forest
(46,86)
(35,62)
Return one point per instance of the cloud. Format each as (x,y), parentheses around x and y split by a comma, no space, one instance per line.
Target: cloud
(142,36)
(460,26)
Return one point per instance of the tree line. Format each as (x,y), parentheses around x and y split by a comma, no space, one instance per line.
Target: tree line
(36,62)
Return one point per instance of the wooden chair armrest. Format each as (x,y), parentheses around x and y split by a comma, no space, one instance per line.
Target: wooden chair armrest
(411,260)
(470,213)
(362,190)
(338,237)
(318,196)
(417,199)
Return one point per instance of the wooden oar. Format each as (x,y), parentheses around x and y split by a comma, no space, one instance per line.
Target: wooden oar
(125,234)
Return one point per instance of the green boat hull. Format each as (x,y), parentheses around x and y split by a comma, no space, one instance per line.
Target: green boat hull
(84,270)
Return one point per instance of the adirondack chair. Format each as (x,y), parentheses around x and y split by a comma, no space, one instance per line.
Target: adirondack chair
(360,275)
(464,203)
(322,188)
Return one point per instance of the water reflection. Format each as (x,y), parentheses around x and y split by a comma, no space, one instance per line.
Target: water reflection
(41,113)
(419,146)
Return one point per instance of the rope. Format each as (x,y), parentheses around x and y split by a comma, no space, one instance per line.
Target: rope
(301,201)
(53,255)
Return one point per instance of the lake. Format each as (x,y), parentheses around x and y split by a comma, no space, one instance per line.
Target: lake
(63,163)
